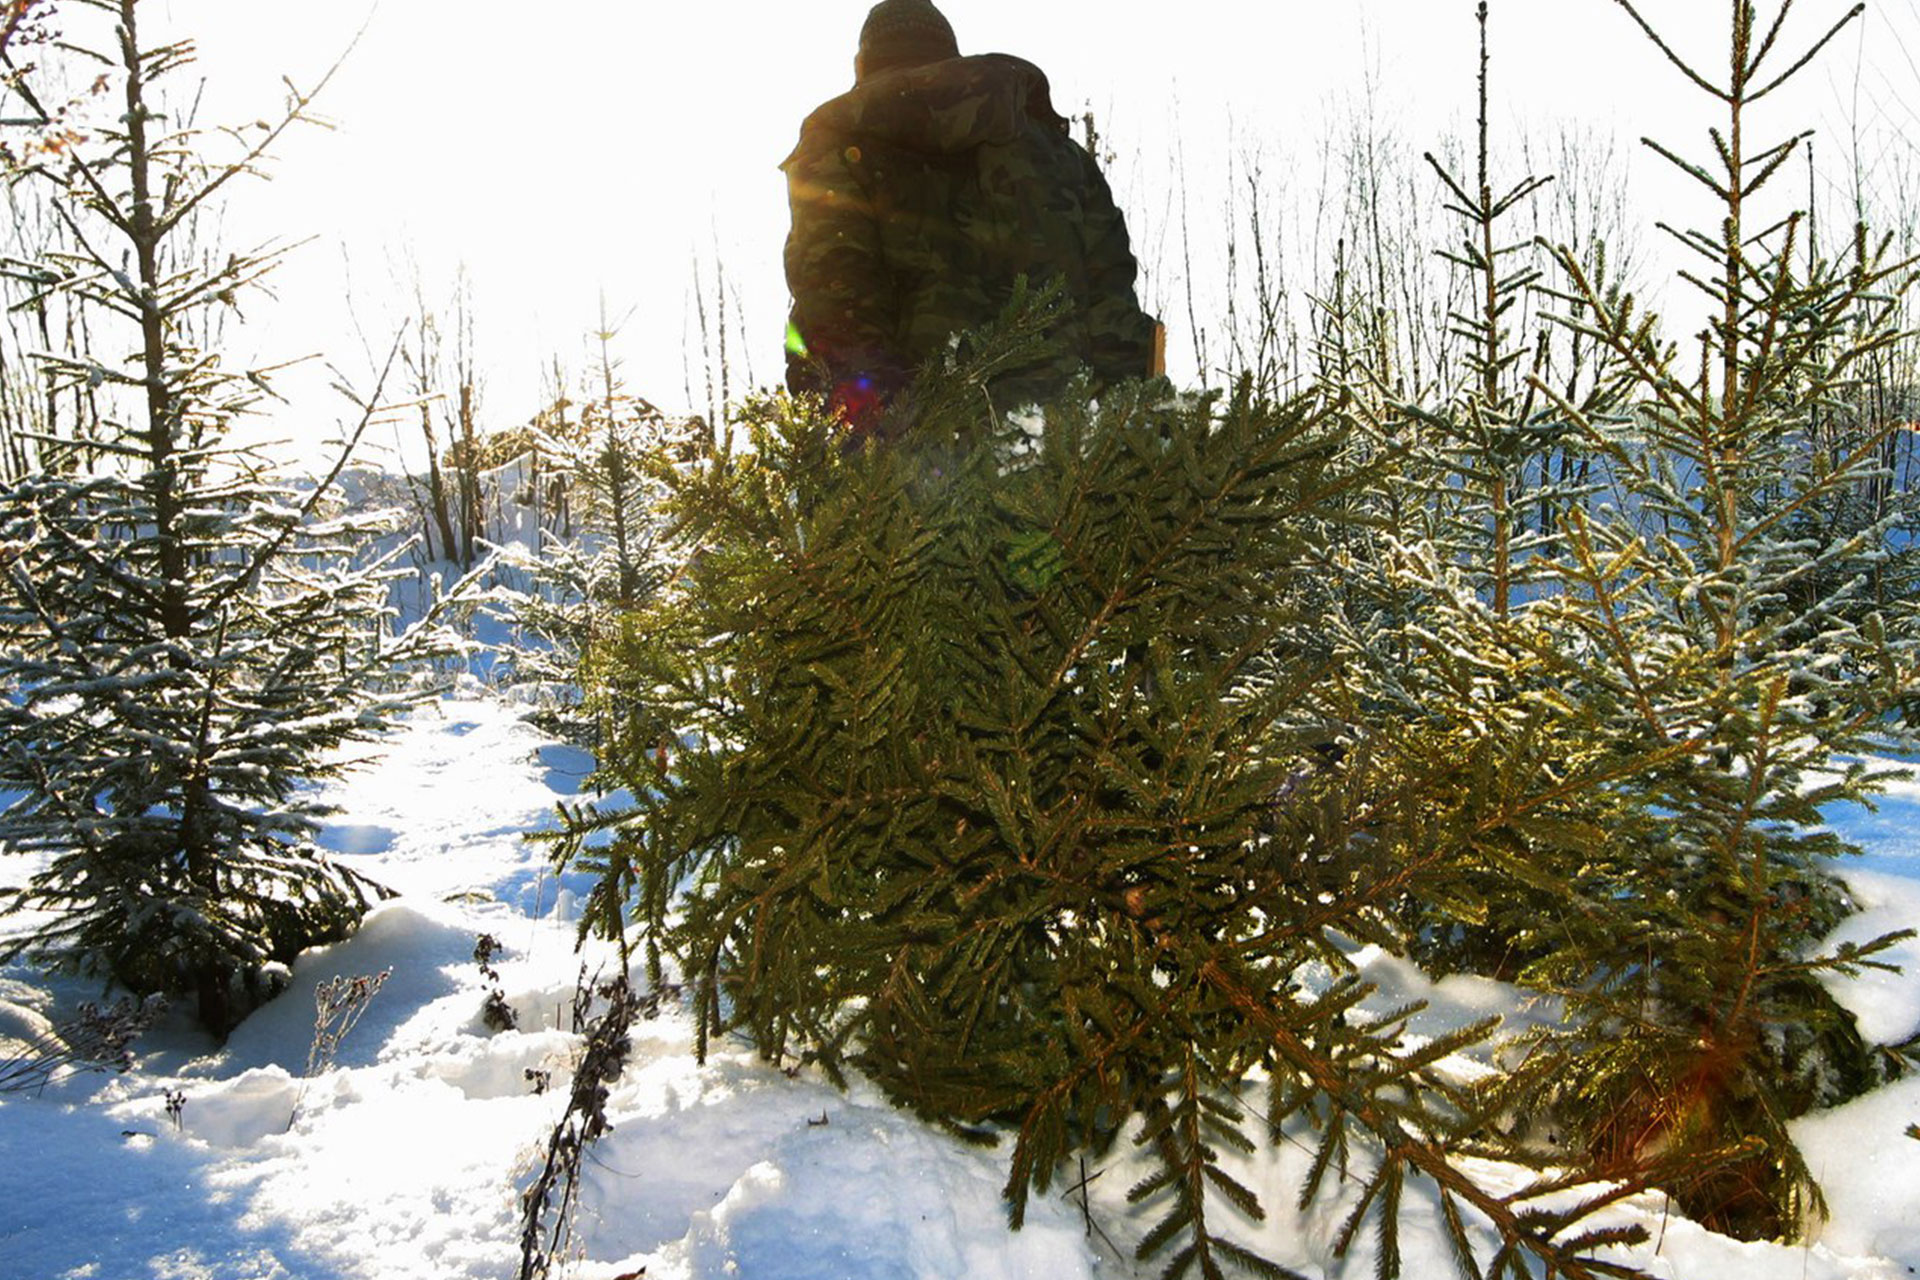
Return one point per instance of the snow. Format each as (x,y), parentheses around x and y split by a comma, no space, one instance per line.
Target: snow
(407,1158)
(1870,1171)
(854,1189)
(1885,1005)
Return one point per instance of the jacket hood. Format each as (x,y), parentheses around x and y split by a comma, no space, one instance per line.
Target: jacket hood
(941,108)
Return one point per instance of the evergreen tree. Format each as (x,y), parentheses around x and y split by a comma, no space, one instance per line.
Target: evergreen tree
(586,584)
(1027,777)
(1495,427)
(185,636)
(1675,657)
(1461,535)
(1691,633)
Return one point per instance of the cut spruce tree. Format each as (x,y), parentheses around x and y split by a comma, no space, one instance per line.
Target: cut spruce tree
(186,637)
(1011,772)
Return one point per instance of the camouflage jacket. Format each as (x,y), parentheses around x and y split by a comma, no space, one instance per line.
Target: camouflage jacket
(920,198)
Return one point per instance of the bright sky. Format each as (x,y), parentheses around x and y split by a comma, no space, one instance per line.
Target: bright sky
(576,148)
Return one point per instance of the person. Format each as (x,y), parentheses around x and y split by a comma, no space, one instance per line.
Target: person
(922,199)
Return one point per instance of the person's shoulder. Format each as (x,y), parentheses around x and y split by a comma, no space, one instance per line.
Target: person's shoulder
(990,73)
(824,128)
(943,107)
(1027,85)
(939,107)
(1006,64)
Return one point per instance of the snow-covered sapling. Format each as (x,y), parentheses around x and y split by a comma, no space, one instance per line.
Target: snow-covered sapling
(187,633)
(583,585)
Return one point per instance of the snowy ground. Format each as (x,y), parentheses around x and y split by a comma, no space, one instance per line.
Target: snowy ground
(407,1158)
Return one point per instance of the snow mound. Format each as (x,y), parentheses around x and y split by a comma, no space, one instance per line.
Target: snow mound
(745,1173)
(1885,1006)
(506,1065)
(1870,1171)
(240,1112)
(429,948)
(22,1024)
(843,1186)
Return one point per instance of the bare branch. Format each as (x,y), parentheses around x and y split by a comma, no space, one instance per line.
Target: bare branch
(1673,57)
(268,551)
(109,207)
(1808,56)
(1766,45)
(1472,209)
(296,113)
(1688,167)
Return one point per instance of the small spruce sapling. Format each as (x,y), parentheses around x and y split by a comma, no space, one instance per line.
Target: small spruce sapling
(1689,956)
(187,636)
(1465,528)
(586,585)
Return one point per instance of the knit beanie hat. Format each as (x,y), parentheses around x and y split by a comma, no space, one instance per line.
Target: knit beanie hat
(904,33)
